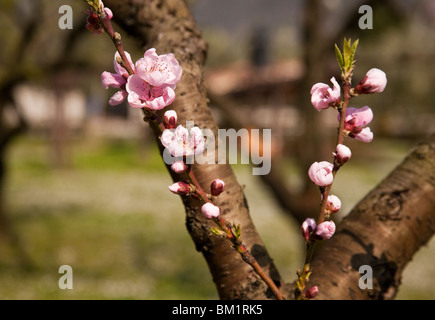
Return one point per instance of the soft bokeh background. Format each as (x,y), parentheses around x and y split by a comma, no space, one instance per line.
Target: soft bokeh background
(84,185)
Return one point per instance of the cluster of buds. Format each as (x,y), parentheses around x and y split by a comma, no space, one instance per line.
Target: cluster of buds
(323,231)
(93,22)
(182,143)
(354,125)
(209,210)
(355,122)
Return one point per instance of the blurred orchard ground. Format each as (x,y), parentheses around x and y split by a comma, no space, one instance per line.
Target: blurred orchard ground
(82,183)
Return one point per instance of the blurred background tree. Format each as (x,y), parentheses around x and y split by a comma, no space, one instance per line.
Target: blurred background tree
(263,59)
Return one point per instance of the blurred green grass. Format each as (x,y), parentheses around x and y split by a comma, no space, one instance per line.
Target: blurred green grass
(110,216)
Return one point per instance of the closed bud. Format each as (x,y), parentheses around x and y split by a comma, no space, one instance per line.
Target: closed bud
(325,230)
(374,81)
(333,204)
(308,226)
(170,119)
(210,211)
(217,187)
(179,166)
(321,173)
(181,188)
(343,154)
(312,292)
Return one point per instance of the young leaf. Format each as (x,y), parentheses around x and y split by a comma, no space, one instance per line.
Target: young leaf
(353,50)
(339,57)
(216,231)
(237,231)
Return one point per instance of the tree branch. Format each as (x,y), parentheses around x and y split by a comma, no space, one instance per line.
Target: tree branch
(383,231)
(169,27)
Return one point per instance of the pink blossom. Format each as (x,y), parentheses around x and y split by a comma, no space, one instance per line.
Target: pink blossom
(365,135)
(312,292)
(321,173)
(181,188)
(142,95)
(179,166)
(333,204)
(159,70)
(308,226)
(322,96)
(343,153)
(93,22)
(170,119)
(217,187)
(374,81)
(325,230)
(356,120)
(183,142)
(210,211)
(117,80)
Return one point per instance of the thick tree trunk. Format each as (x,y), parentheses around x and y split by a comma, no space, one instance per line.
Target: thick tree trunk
(169,27)
(383,231)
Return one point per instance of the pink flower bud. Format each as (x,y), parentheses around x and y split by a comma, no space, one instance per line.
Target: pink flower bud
(374,81)
(333,204)
(322,96)
(312,292)
(109,13)
(321,173)
(308,226)
(365,135)
(93,22)
(181,188)
(170,119)
(179,166)
(210,211)
(343,153)
(356,122)
(217,187)
(325,230)
(117,80)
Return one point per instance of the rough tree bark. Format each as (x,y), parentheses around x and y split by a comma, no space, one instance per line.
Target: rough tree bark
(384,230)
(169,27)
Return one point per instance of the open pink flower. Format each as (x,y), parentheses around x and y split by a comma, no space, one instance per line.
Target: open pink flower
(117,80)
(321,173)
(374,81)
(142,95)
(159,70)
(325,230)
(183,142)
(322,96)
(356,122)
